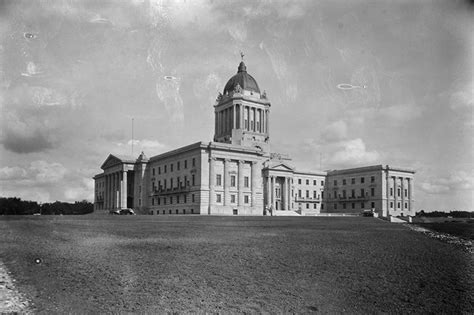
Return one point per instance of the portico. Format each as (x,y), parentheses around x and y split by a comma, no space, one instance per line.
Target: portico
(278,183)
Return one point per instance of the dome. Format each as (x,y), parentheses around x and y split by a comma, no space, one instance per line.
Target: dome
(245,80)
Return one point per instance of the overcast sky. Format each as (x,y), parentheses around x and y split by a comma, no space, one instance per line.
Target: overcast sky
(73,74)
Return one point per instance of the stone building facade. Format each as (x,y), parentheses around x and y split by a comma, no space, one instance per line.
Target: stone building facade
(237,174)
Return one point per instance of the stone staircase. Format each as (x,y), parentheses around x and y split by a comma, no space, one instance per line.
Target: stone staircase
(280,213)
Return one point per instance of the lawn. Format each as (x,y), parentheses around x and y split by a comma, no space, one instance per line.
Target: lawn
(156,264)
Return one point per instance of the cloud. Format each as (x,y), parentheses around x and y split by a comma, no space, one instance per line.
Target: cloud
(463,97)
(26,141)
(458,180)
(12,173)
(335,131)
(353,152)
(46,173)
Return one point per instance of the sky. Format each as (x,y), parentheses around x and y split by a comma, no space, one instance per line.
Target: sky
(73,75)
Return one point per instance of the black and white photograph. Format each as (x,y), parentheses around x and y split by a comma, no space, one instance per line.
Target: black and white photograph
(236,156)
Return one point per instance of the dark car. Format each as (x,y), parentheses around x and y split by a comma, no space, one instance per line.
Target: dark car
(127,211)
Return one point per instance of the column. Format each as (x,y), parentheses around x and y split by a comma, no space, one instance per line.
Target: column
(268,183)
(106,195)
(395,198)
(402,193)
(284,193)
(273,192)
(215,123)
(387,192)
(124,189)
(241,183)
(254,182)
(226,182)
(288,193)
(410,194)
(268,122)
(234,117)
(211,182)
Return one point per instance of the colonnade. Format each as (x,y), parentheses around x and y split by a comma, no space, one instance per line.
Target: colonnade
(285,197)
(405,183)
(239,116)
(253,182)
(115,193)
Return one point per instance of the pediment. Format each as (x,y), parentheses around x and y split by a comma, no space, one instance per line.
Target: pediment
(113,160)
(281,167)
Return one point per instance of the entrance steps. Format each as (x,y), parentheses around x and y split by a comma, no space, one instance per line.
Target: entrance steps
(397,220)
(285,213)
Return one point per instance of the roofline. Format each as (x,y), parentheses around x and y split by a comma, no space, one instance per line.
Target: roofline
(319,173)
(379,167)
(189,147)
(123,161)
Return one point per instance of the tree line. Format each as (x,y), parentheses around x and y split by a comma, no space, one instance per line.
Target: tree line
(454,214)
(16,206)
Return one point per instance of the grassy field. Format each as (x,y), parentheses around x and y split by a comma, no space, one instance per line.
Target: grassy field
(182,264)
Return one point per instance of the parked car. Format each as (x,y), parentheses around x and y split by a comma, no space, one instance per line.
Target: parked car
(127,211)
(367,213)
(114,212)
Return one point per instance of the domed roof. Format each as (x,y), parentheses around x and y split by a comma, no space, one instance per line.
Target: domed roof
(245,80)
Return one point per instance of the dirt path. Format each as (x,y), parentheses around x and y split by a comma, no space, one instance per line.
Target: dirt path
(11,301)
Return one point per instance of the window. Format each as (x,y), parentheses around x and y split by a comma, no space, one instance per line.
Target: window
(314,194)
(362,205)
(192,211)
(344,206)
(406,192)
(372,179)
(219,198)
(322,183)
(165,168)
(315,206)
(299,181)
(299,193)
(362,192)
(353,193)
(194,161)
(391,204)
(171,200)
(372,205)
(192,197)
(176,211)
(353,205)
(372,191)
(164,201)
(152,201)
(186,181)
(307,182)
(139,202)
(353,181)
(184,211)
(343,194)
(314,183)
(362,180)
(335,206)
(246,199)
(406,205)
(164,183)
(185,163)
(140,188)
(398,192)
(159,170)
(193,180)
(169,211)
(178,164)
(232,180)
(398,205)
(171,183)
(232,198)
(164,212)
(178,181)
(307,206)
(335,182)
(159,200)
(322,194)
(171,167)
(246,181)
(218,180)
(177,199)
(322,206)
(391,191)
(307,194)
(343,181)
(153,171)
